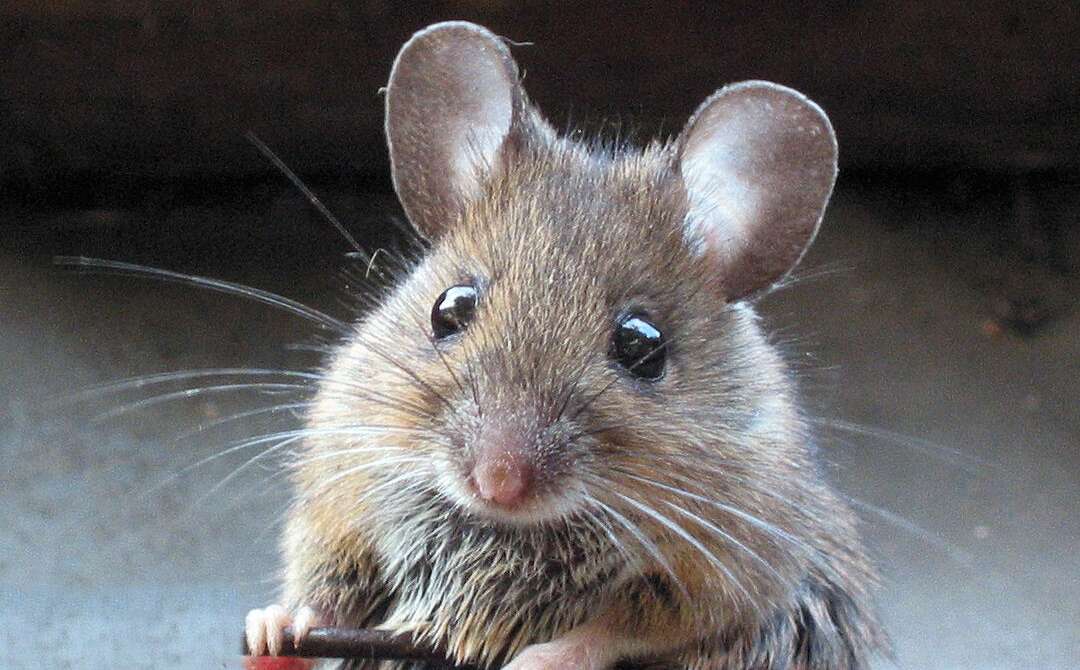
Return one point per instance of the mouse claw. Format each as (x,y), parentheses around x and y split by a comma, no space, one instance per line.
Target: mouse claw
(264,629)
(306,618)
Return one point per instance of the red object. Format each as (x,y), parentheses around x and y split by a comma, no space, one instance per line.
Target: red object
(277,663)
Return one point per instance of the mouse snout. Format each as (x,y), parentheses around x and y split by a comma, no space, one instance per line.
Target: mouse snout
(504,472)
(504,480)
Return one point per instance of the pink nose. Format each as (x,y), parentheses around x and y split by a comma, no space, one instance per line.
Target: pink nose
(503,478)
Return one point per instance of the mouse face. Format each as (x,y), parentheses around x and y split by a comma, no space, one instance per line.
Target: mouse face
(530,347)
(563,332)
(576,343)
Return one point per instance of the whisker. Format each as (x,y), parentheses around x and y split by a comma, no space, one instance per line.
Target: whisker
(646,544)
(405,228)
(129,383)
(232,475)
(604,389)
(338,453)
(439,353)
(246,444)
(348,472)
(729,538)
(315,348)
(572,391)
(594,431)
(801,546)
(191,393)
(411,374)
(933,539)
(386,400)
(258,440)
(472,384)
(219,285)
(308,193)
(239,416)
(325,382)
(606,529)
(950,455)
(799,277)
(293,440)
(690,539)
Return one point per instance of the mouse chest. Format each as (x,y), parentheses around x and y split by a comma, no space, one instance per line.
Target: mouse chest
(486,591)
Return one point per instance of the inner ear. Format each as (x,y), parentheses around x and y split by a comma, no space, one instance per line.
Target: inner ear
(758,162)
(451,102)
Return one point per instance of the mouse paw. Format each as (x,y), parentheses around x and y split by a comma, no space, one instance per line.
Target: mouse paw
(556,655)
(265,628)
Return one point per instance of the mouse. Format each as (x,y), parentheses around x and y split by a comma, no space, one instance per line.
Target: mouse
(564,439)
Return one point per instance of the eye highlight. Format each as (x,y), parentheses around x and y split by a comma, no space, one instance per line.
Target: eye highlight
(453,310)
(638,346)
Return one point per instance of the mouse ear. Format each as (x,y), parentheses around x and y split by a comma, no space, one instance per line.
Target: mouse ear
(758,161)
(452,99)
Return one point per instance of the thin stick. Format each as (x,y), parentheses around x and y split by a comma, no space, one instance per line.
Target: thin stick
(375,645)
(362,643)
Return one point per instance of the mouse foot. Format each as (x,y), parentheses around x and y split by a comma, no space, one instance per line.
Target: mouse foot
(265,628)
(556,655)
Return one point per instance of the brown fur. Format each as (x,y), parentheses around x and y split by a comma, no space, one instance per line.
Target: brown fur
(764,569)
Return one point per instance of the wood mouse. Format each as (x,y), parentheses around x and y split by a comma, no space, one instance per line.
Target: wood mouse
(563,440)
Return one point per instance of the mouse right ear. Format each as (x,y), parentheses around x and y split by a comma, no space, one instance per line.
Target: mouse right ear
(758,162)
(452,100)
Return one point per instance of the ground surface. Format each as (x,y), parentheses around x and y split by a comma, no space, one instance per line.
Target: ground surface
(117,553)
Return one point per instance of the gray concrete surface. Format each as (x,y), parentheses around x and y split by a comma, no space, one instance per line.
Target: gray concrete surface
(115,552)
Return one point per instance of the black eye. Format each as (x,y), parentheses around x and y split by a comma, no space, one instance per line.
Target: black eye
(638,346)
(453,310)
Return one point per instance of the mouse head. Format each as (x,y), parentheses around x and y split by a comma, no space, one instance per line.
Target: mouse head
(578,325)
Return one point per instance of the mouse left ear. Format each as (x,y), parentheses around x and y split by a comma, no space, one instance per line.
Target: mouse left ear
(451,102)
(758,163)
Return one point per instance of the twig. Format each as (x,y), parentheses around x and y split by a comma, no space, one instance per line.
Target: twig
(362,643)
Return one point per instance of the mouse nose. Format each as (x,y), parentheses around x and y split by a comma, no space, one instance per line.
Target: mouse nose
(503,475)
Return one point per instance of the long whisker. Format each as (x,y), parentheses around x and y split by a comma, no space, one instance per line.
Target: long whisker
(957,554)
(571,391)
(259,440)
(646,544)
(727,537)
(606,529)
(152,379)
(348,472)
(379,398)
(690,539)
(141,381)
(257,457)
(950,455)
(191,393)
(370,448)
(420,383)
(246,444)
(219,285)
(338,453)
(239,416)
(302,187)
(801,546)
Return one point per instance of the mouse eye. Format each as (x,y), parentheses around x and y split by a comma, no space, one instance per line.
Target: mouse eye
(638,346)
(453,310)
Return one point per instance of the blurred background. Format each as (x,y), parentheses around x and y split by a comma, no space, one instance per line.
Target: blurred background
(934,326)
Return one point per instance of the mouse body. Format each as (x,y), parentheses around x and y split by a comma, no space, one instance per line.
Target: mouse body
(563,440)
